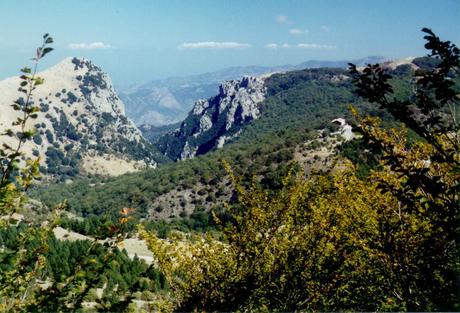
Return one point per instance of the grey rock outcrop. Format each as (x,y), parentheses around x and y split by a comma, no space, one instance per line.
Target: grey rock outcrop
(213,122)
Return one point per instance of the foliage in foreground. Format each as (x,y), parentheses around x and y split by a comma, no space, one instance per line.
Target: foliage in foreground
(18,280)
(37,272)
(337,242)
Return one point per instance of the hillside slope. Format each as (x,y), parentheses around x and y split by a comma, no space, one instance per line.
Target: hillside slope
(293,124)
(296,105)
(82,127)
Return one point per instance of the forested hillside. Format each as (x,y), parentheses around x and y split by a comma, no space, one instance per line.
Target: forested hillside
(298,104)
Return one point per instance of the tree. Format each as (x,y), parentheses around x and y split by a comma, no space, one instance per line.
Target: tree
(15,179)
(424,176)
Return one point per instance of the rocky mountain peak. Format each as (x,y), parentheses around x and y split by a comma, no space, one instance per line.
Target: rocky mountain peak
(213,122)
(82,126)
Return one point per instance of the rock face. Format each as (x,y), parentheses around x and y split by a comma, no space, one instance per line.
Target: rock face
(213,122)
(81,124)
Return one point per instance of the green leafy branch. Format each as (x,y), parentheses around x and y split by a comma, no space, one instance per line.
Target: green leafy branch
(9,155)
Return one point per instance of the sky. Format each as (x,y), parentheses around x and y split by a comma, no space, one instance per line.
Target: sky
(138,41)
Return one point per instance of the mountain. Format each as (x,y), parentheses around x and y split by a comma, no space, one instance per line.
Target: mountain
(82,127)
(168,101)
(222,118)
(293,122)
(217,120)
(340,63)
(277,119)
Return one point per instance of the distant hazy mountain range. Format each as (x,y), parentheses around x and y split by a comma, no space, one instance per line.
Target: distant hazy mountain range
(167,101)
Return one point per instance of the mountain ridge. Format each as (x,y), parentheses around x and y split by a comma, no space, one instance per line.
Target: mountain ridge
(82,128)
(297,105)
(150,103)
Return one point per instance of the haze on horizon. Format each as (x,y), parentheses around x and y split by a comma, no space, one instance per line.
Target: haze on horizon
(140,40)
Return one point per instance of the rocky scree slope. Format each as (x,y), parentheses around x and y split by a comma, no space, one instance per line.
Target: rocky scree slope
(82,127)
(215,121)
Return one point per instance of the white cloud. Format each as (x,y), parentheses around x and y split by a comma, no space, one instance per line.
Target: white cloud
(314,46)
(213,45)
(276,46)
(297,31)
(324,28)
(283,19)
(271,46)
(89,46)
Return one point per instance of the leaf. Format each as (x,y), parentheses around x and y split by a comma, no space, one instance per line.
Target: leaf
(27,134)
(14,155)
(6,146)
(39,81)
(46,51)
(9,133)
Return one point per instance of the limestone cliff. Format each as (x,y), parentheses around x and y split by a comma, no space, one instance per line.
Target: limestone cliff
(213,122)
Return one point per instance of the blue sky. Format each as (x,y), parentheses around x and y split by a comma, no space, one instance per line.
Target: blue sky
(139,40)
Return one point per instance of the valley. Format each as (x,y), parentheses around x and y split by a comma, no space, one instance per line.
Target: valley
(265,122)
